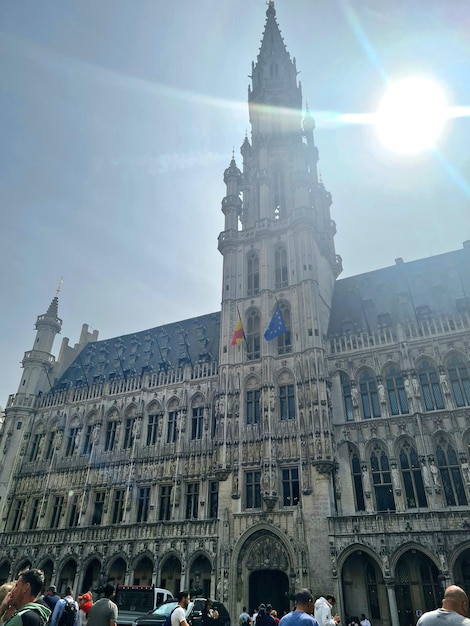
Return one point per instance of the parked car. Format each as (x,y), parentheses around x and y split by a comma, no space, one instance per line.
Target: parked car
(193,613)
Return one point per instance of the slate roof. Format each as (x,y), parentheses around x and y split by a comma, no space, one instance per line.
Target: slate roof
(402,293)
(191,341)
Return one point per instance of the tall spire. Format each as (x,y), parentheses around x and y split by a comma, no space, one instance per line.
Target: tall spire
(274,74)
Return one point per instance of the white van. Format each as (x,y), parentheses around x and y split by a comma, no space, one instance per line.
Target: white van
(134,601)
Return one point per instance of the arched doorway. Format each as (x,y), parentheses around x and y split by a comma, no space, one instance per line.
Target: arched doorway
(417,586)
(462,571)
(91,578)
(269,587)
(143,572)
(264,568)
(4,572)
(170,577)
(117,572)
(200,577)
(23,565)
(48,568)
(363,588)
(66,576)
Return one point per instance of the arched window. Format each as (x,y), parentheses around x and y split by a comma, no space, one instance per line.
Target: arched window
(396,391)
(281,277)
(357,480)
(197,418)
(347,398)
(253,335)
(252,274)
(412,477)
(430,387)
(284,341)
(459,381)
(449,468)
(382,480)
(111,431)
(369,398)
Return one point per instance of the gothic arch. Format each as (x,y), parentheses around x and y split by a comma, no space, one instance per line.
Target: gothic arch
(407,547)
(262,538)
(5,568)
(285,376)
(20,565)
(153,406)
(131,410)
(173,403)
(142,569)
(263,557)
(343,555)
(75,420)
(252,381)
(117,569)
(197,400)
(91,416)
(198,554)
(171,554)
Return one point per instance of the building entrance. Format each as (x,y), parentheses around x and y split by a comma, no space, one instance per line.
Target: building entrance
(269,587)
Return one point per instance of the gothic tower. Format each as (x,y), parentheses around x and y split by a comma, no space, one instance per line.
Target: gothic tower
(279,270)
(38,364)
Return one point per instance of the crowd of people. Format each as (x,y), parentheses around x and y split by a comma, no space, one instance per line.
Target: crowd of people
(319,612)
(22,603)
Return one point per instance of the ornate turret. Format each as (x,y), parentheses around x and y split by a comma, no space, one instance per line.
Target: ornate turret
(39,361)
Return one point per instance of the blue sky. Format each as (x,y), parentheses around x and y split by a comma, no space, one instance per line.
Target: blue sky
(118,118)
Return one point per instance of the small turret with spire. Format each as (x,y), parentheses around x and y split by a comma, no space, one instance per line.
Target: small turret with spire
(39,361)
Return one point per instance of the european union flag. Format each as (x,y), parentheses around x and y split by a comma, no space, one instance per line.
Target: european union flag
(276,325)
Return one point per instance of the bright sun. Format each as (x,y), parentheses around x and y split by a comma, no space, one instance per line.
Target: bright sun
(411,115)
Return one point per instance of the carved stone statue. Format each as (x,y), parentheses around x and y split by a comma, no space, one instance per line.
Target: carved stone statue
(435,474)
(425,474)
(444,384)
(366,479)
(381,393)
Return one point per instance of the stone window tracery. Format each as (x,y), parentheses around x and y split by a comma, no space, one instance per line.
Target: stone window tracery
(369,397)
(459,381)
(382,480)
(281,274)
(430,387)
(253,335)
(410,467)
(450,474)
(347,397)
(395,386)
(252,274)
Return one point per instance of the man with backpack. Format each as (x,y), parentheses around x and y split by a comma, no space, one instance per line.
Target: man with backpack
(178,615)
(24,598)
(65,611)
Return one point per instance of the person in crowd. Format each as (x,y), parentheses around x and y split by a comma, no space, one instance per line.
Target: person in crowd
(50,597)
(209,614)
(85,602)
(65,611)
(104,612)
(264,618)
(364,621)
(323,606)
(453,612)
(178,617)
(274,615)
(244,618)
(24,598)
(6,608)
(302,613)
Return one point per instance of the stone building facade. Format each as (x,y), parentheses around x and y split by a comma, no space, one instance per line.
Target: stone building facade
(334,455)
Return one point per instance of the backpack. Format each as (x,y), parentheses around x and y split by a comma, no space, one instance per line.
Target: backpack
(167,621)
(69,614)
